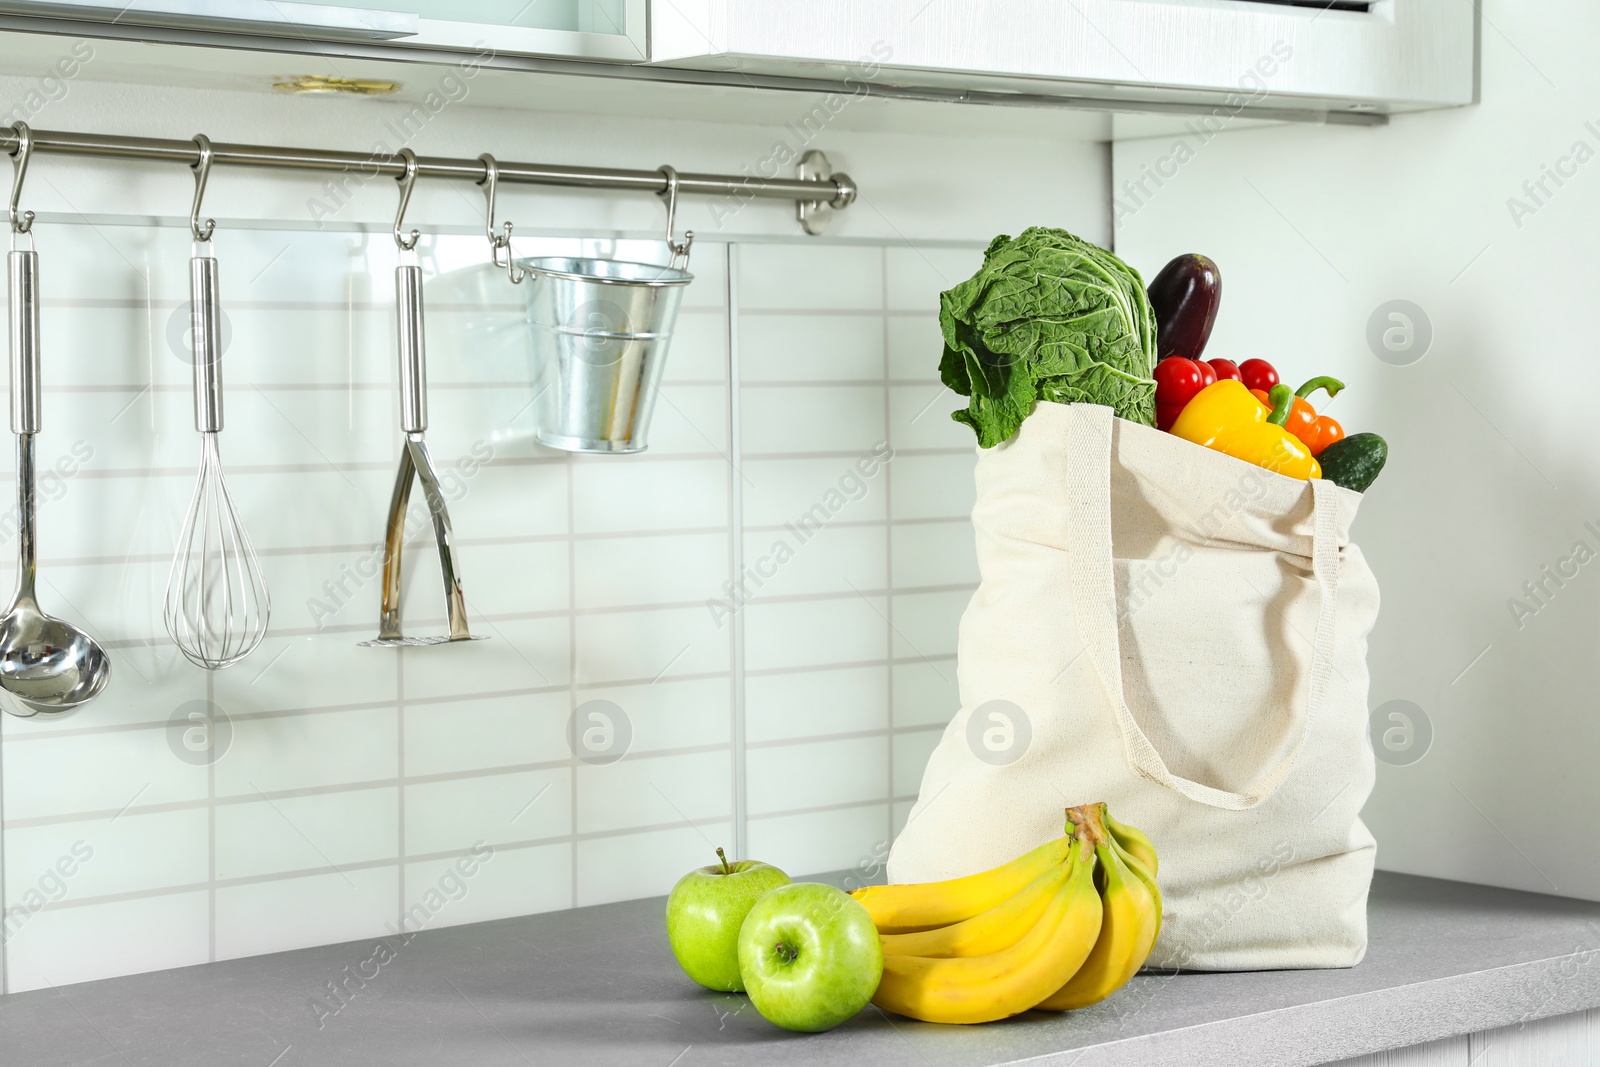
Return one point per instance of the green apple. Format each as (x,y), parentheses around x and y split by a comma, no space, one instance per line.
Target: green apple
(705,911)
(810,956)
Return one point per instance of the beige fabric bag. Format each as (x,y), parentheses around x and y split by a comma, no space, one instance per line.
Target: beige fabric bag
(1207,679)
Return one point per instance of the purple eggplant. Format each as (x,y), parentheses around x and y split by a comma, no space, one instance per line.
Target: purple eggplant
(1185,296)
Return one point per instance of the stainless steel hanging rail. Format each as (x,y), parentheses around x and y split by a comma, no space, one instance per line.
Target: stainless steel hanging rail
(829,190)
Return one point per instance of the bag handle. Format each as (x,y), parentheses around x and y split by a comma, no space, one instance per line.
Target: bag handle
(1089,430)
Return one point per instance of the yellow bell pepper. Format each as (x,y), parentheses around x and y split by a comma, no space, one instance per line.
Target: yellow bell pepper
(1224,416)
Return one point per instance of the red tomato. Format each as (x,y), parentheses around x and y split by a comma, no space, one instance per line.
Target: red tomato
(1167,414)
(1225,369)
(1178,380)
(1209,373)
(1258,374)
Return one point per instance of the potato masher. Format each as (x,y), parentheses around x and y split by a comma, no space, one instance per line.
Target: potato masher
(414,458)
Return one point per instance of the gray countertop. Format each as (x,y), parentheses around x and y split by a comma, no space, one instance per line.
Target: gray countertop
(599,985)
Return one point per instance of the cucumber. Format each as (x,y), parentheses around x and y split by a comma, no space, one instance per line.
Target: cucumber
(1355,461)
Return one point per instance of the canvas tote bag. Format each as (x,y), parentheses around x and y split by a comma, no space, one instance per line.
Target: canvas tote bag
(1182,635)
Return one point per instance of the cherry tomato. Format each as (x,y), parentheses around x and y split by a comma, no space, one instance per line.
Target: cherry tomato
(1167,414)
(1225,369)
(1178,380)
(1209,373)
(1258,374)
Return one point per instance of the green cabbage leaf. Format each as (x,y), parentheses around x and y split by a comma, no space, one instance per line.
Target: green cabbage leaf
(1048,316)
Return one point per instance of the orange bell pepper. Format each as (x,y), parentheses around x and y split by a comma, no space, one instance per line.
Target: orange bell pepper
(1316,431)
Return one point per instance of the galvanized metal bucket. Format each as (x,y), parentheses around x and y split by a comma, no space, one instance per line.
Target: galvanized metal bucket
(600,331)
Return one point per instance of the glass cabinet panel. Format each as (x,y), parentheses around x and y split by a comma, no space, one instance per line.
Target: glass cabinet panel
(579,29)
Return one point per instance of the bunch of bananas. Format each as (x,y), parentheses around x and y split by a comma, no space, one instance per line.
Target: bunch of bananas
(1061,927)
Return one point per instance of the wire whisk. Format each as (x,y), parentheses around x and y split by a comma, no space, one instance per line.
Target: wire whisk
(217,604)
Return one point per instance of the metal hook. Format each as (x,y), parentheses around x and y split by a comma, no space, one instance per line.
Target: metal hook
(202,172)
(407,180)
(501,241)
(19,169)
(679,250)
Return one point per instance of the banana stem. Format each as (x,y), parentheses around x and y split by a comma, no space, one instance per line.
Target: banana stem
(1088,826)
(725,868)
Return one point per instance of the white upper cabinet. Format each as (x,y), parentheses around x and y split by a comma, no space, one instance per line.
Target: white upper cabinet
(613,30)
(1343,55)
(1265,57)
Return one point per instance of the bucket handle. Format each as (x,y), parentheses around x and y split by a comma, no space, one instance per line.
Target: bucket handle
(679,249)
(498,242)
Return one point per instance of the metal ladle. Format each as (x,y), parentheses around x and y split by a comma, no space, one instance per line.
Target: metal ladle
(48,666)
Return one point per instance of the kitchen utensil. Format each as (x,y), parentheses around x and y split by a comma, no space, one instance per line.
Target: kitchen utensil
(414,458)
(48,667)
(600,329)
(217,604)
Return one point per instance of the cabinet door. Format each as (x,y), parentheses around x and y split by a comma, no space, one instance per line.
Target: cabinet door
(583,29)
(1334,54)
(591,29)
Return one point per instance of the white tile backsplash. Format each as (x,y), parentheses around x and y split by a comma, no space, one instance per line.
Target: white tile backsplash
(699,346)
(451,815)
(307,833)
(781,707)
(932,487)
(845,629)
(816,841)
(614,572)
(813,418)
(314,750)
(61,945)
(624,866)
(817,774)
(671,713)
(933,553)
(653,645)
(915,276)
(689,420)
(612,495)
(925,692)
(65,773)
(315,909)
(286,673)
(778,492)
(914,344)
(130,853)
(809,347)
(511,881)
(925,624)
(480,733)
(350,784)
(668,789)
(919,418)
(911,751)
(834,559)
(815,277)
(518,655)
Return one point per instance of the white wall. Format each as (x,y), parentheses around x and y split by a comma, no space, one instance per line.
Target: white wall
(355,777)
(1493,474)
